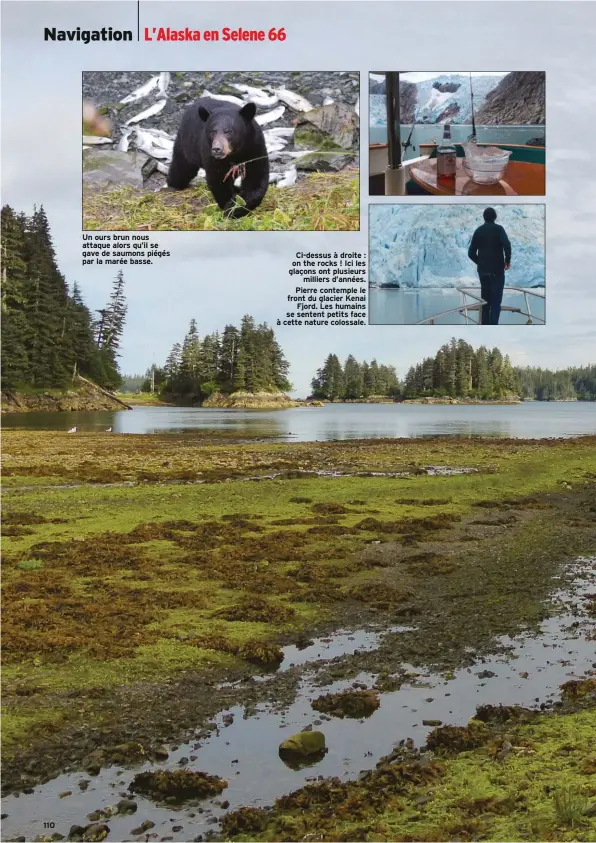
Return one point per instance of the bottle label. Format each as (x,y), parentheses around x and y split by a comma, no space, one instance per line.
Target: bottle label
(446,165)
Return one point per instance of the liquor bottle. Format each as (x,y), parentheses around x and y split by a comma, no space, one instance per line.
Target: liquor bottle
(446,157)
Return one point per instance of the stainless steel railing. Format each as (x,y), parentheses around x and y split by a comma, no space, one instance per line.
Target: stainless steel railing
(472,305)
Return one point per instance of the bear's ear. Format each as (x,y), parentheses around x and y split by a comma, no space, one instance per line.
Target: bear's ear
(204,114)
(248,111)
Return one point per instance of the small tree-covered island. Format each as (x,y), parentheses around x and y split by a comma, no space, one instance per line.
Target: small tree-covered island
(241,367)
(58,355)
(457,372)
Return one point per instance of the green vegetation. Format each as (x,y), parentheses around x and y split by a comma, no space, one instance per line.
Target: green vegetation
(246,359)
(539,788)
(563,385)
(456,371)
(354,380)
(48,333)
(145,399)
(149,580)
(321,202)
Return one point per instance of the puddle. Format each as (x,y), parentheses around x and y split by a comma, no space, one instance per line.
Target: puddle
(243,749)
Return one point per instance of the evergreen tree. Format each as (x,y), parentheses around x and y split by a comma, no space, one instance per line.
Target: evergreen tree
(47,332)
(248,359)
(173,362)
(14,325)
(227,356)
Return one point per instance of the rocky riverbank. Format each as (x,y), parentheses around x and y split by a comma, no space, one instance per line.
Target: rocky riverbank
(250,401)
(446,400)
(82,397)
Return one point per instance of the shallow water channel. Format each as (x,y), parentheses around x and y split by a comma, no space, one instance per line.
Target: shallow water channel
(243,746)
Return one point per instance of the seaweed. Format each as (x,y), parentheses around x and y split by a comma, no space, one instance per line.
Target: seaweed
(178,784)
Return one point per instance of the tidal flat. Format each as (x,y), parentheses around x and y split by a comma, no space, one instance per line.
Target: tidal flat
(165,596)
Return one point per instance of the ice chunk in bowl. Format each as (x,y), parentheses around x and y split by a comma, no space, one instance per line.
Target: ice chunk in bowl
(485,164)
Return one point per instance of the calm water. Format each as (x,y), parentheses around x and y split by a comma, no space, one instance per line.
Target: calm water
(534,420)
(243,749)
(407,307)
(434,132)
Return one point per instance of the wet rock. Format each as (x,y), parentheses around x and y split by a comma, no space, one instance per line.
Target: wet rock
(83,784)
(160,753)
(126,806)
(95,816)
(355,704)
(486,674)
(303,744)
(324,162)
(65,793)
(177,827)
(183,761)
(330,126)
(131,751)
(176,785)
(76,832)
(108,166)
(96,832)
(501,713)
(93,762)
(432,722)
(144,826)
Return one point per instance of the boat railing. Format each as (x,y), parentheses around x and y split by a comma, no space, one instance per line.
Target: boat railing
(472,303)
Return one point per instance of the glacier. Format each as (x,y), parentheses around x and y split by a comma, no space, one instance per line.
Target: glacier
(436,106)
(418,246)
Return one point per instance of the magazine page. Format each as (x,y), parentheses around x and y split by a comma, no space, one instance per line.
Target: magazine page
(299,426)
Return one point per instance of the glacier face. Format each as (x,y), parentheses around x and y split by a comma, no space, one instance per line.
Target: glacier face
(427,245)
(439,104)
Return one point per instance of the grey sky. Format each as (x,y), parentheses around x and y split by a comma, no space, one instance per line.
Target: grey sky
(218,277)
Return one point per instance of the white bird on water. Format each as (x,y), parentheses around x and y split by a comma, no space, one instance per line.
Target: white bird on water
(72,430)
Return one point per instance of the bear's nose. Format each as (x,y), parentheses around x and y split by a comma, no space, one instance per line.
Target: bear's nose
(217,148)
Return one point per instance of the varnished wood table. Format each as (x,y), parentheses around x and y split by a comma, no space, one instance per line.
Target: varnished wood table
(521,179)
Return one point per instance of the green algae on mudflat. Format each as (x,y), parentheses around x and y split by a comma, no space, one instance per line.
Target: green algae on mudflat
(540,789)
(95,458)
(125,583)
(177,785)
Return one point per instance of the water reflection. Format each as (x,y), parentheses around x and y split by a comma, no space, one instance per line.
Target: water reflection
(533,420)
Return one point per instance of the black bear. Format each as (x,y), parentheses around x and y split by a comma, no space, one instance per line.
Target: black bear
(227,142)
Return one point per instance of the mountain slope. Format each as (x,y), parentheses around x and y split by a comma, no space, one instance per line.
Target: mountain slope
(518,98)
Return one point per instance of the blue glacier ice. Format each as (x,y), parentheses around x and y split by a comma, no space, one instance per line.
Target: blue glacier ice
(436,106)
(427,245)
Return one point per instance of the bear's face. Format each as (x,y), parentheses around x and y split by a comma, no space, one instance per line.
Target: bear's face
(226,130)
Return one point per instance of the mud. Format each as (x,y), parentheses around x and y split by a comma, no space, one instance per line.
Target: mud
(527,672)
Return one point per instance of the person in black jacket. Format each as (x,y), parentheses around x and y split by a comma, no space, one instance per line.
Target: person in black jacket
(490,250)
